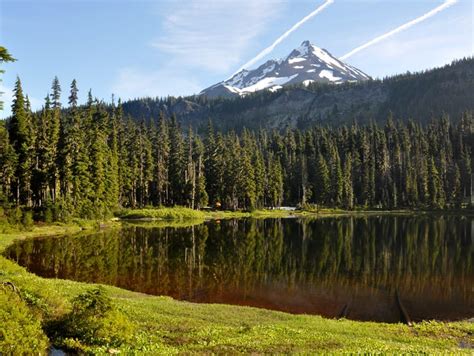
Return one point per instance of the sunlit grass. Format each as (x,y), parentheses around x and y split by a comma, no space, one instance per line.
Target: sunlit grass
(174,213)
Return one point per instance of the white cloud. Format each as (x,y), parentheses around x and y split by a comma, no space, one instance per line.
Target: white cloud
(134,83)
(214,34)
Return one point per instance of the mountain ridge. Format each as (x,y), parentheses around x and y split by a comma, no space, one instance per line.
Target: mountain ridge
(419,96)
(304,65)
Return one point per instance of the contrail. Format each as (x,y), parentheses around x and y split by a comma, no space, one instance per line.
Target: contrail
(401,28)
(285,35)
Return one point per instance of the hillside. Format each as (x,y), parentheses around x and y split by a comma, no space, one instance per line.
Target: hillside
(420,96)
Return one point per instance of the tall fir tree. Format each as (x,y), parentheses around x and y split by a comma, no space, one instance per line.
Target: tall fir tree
(8,163)
(54,130)
(161,154)
(176,163)
(322,184)
(20,134)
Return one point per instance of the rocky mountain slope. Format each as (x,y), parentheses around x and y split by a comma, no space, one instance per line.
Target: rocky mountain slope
(305,64)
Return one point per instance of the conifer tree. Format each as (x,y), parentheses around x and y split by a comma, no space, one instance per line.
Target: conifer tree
(54,129)
(67,146)
(190,172)
(8,163)
(20,134)
(162,152)
(42,155)
(435,186)
(337,181)
(300,175)
(99,156)
(347,188)
(129,169)
(176,163)
(466,170)
(274,185)
(201,196)
(246,188)
(112,170)
(454,184)
(322,184)
(213,166)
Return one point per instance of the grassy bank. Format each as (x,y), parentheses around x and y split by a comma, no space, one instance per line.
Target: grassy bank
(139,323)
(175,213)
(182,213)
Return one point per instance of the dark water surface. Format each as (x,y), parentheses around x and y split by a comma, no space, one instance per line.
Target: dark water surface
(316,266)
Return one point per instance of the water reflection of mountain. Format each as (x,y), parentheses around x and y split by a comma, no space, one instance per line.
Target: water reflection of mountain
(303,266)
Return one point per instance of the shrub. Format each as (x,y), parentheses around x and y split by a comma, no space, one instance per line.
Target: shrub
(62,210)
(48,216)
(27,220)
(93,321)
(20,331)
(14,216)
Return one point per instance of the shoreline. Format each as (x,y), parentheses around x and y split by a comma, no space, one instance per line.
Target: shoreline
(154,214)
(234,328)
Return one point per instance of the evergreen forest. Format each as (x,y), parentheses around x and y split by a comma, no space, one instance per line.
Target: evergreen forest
(70,160)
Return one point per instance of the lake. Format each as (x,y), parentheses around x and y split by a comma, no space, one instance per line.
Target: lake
(356,267)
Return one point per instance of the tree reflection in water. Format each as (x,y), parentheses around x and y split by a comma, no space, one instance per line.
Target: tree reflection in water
(316,266)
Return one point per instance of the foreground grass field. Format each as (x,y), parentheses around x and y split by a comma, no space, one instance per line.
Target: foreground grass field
(31,306)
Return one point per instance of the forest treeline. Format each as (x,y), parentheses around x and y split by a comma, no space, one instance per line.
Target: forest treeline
(89,160)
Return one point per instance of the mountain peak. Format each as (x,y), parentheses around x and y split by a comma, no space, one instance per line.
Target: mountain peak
(306,44)
(305,64)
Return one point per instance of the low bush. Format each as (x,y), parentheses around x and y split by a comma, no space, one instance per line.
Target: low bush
(15,216)
(20,330)
(27,220)
(93,321)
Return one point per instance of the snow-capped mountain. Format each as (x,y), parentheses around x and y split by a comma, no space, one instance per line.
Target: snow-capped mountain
(305,64)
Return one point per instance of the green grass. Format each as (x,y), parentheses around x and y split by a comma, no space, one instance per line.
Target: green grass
(161,223)
(259,213)
(166,326)
(175,213)
(182,213)
(186,214)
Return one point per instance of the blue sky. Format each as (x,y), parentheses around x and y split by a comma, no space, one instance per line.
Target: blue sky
(178,47)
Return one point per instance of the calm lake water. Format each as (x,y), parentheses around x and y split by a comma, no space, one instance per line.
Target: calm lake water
(330,266)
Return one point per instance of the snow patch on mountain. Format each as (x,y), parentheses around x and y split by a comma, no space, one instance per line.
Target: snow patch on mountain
(314,64)
(296,60)
(267,82)
(275,88)
(328,74)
